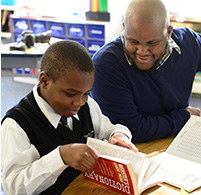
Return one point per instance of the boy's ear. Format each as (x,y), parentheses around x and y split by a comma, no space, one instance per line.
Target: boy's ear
(44,79)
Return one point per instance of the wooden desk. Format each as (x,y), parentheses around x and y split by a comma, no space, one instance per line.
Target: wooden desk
(85,187)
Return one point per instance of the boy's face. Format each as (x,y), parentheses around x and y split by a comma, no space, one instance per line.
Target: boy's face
(68,93)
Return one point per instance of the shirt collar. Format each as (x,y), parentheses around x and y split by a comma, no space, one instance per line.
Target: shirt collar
(171,45)
(47,110)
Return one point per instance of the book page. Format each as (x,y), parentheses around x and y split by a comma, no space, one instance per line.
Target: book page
(105,148)
(179,172)
(152,181)
(187,143)
(147,178)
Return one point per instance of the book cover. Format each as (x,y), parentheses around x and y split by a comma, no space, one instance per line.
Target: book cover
(115,174)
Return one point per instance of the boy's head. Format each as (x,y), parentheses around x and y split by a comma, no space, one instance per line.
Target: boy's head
(67,77)
(64,56)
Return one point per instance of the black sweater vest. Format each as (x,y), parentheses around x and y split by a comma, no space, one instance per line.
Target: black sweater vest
(46,138)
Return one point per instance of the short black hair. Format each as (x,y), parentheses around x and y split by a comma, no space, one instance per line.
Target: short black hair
(64,56)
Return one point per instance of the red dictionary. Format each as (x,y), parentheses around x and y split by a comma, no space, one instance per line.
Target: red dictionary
(115,174)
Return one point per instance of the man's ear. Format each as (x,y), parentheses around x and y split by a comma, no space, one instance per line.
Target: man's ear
(123,24)
(170,30)
(44,79)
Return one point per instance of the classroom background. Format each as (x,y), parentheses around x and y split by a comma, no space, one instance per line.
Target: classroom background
(81,20)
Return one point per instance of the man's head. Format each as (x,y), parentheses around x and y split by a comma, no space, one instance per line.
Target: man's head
(147,31)
(67,76)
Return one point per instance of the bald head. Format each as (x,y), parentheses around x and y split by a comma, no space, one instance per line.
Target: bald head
(147,11)
(146,32)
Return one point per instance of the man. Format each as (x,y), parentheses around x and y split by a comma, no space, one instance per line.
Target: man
(144,77)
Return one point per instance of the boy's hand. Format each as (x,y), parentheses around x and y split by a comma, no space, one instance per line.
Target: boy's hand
(122,140)
(79,156)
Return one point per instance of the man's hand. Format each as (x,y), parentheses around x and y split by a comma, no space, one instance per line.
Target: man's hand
(122,140)
(79,156)
(193,111)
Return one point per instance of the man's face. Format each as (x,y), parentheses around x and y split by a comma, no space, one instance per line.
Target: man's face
(145,44)
(69,92)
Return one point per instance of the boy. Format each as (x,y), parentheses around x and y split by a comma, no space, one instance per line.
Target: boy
(40,153)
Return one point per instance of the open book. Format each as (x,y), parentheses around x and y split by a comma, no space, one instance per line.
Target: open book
(181,163)
(121,169)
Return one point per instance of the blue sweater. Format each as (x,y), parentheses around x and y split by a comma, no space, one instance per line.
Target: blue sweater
(150,104)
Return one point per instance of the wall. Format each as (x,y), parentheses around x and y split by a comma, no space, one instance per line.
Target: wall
(67,8)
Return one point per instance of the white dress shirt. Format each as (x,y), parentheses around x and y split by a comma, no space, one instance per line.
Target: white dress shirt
(24,171)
